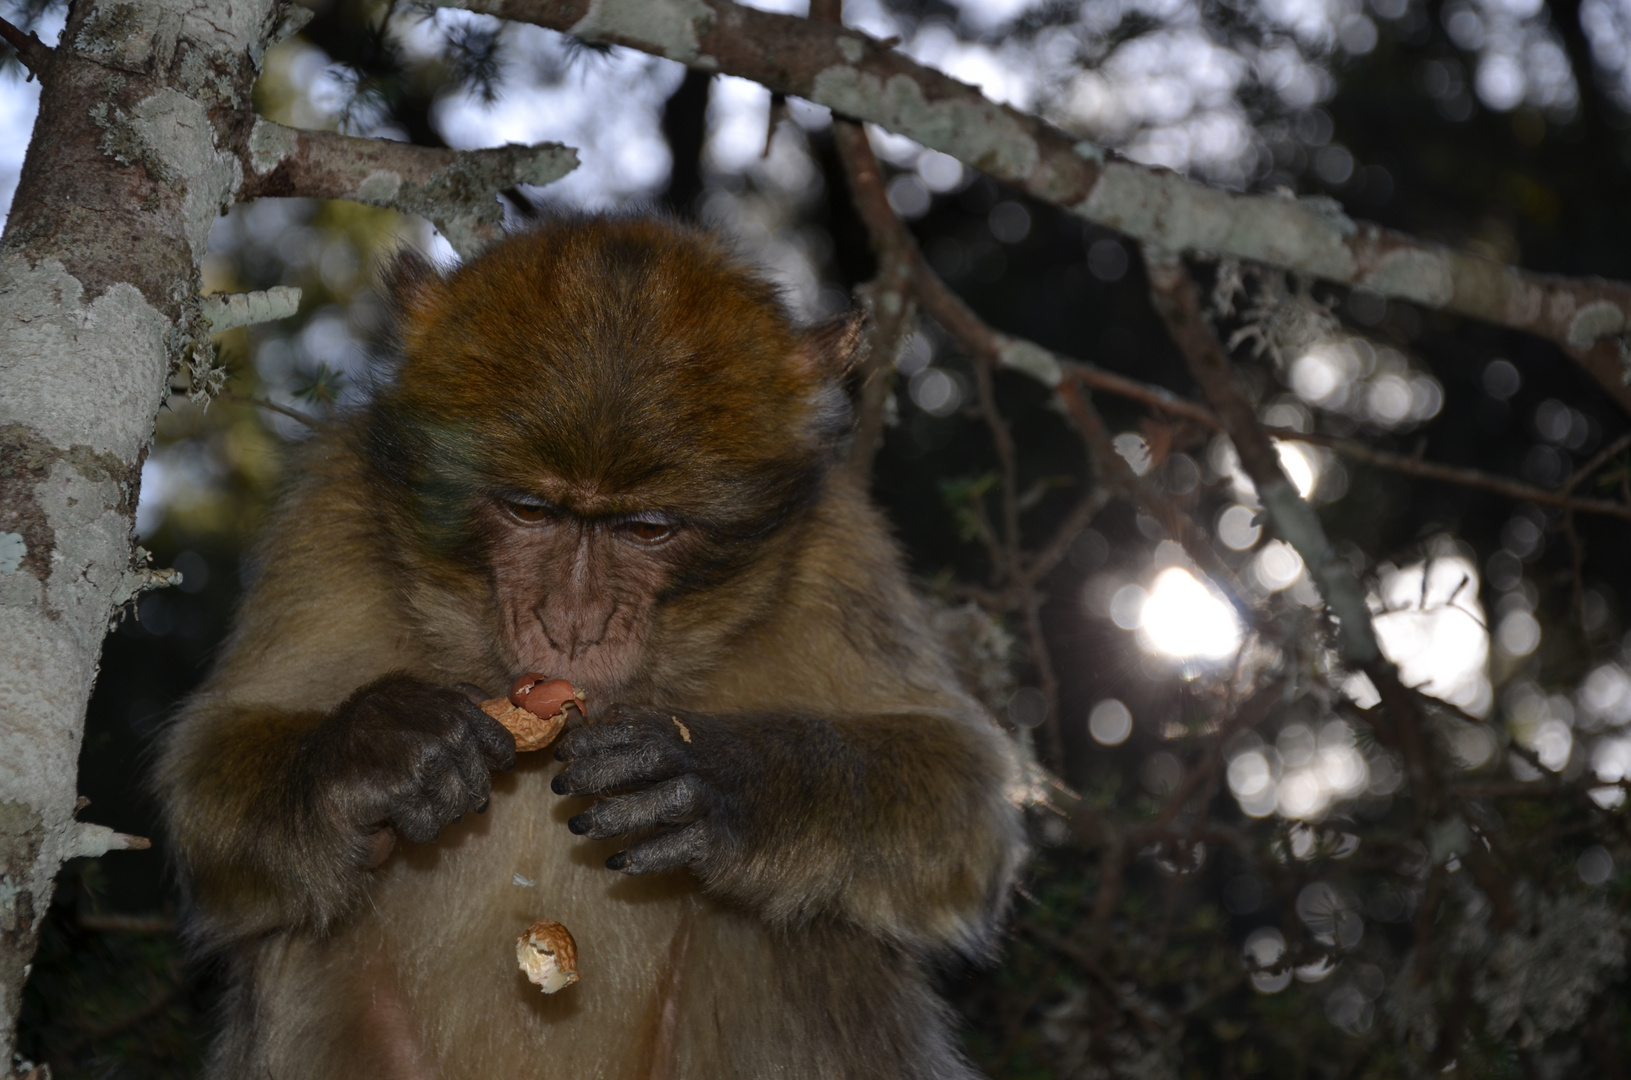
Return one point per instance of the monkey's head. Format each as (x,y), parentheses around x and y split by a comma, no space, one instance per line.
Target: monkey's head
(607,429)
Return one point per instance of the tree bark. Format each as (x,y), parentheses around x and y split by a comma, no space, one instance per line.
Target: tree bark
(99,276)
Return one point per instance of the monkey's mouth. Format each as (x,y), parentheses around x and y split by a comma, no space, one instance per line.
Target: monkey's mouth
(602,665)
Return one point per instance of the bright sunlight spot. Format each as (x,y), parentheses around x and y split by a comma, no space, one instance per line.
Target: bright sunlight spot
(1301,465)
(1184,619)
(1430,623)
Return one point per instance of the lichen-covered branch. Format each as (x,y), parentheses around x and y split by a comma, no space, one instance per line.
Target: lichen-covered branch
(456,189)
(864,79)
(228,311)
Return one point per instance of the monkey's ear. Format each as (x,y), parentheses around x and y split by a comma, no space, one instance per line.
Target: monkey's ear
(414,285)
(837,347)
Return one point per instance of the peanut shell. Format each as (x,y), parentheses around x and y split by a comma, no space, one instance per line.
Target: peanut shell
(548,955)
(531,731)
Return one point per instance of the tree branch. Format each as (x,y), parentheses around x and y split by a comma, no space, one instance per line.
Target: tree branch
(272,406)
(455,189)
(1173,293)
(31,51)
(888,295)
(861,78)
(1143,491)
(1156,397)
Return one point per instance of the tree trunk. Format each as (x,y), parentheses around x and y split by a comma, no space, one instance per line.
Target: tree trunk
(99,277)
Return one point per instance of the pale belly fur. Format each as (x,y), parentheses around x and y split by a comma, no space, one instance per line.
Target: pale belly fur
(422,984)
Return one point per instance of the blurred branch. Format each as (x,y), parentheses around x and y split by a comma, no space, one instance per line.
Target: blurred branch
(1598,460)
(272,406)
(155,1005)
(127,924)
(1077,371)
(455,189)
(888,295)
(1173,293)
(904,278)
(1146,493)
(1401,721)
(863,79)
(31,51)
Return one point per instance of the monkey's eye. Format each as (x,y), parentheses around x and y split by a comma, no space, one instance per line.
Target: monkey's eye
(528,510)
(650,530)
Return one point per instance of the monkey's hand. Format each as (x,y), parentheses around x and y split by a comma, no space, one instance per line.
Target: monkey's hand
(651,766)
(279,815)
(404,753)
(898,823)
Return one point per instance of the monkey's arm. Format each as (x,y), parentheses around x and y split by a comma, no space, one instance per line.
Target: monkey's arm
(278,815)
(898,823)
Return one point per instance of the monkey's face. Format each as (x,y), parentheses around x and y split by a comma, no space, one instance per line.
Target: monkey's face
(614,425)
(576,583)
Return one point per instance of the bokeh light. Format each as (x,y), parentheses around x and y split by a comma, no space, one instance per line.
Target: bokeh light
(1185,619)
(1429,622)
(1110,723)
(1301,774)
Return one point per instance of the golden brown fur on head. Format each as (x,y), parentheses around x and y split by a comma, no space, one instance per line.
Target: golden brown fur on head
(602,379)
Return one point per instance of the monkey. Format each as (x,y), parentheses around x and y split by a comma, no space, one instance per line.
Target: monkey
(604,451)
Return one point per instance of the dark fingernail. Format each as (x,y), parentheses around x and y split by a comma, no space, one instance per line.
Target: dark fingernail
(482,809)
(580,823)
(619,861)
(558,785)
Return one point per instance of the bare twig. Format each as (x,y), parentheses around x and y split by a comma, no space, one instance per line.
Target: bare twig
(1453,474)
(888,295)
(119,1025)
(1166,401)
(1002,440)
(1178,524)
(904,275)
(34,54)
(1577,582)
(127,924)
(282,410)
(1040,565)
(1598,460)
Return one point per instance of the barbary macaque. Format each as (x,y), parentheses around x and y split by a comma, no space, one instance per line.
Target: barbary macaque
(605,454)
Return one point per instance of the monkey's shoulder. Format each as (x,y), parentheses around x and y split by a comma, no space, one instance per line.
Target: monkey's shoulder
(319,614)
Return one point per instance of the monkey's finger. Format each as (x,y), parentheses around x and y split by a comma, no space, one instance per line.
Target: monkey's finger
(668,803)
(452,781)
(476,779)
(668,850)
(474,693)
(605,737)
(417,821)
(646,760)
(495,742)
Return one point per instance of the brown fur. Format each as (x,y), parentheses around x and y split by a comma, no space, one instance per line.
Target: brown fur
(612,368)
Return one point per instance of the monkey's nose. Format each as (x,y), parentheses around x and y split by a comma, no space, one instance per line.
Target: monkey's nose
(571,640)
